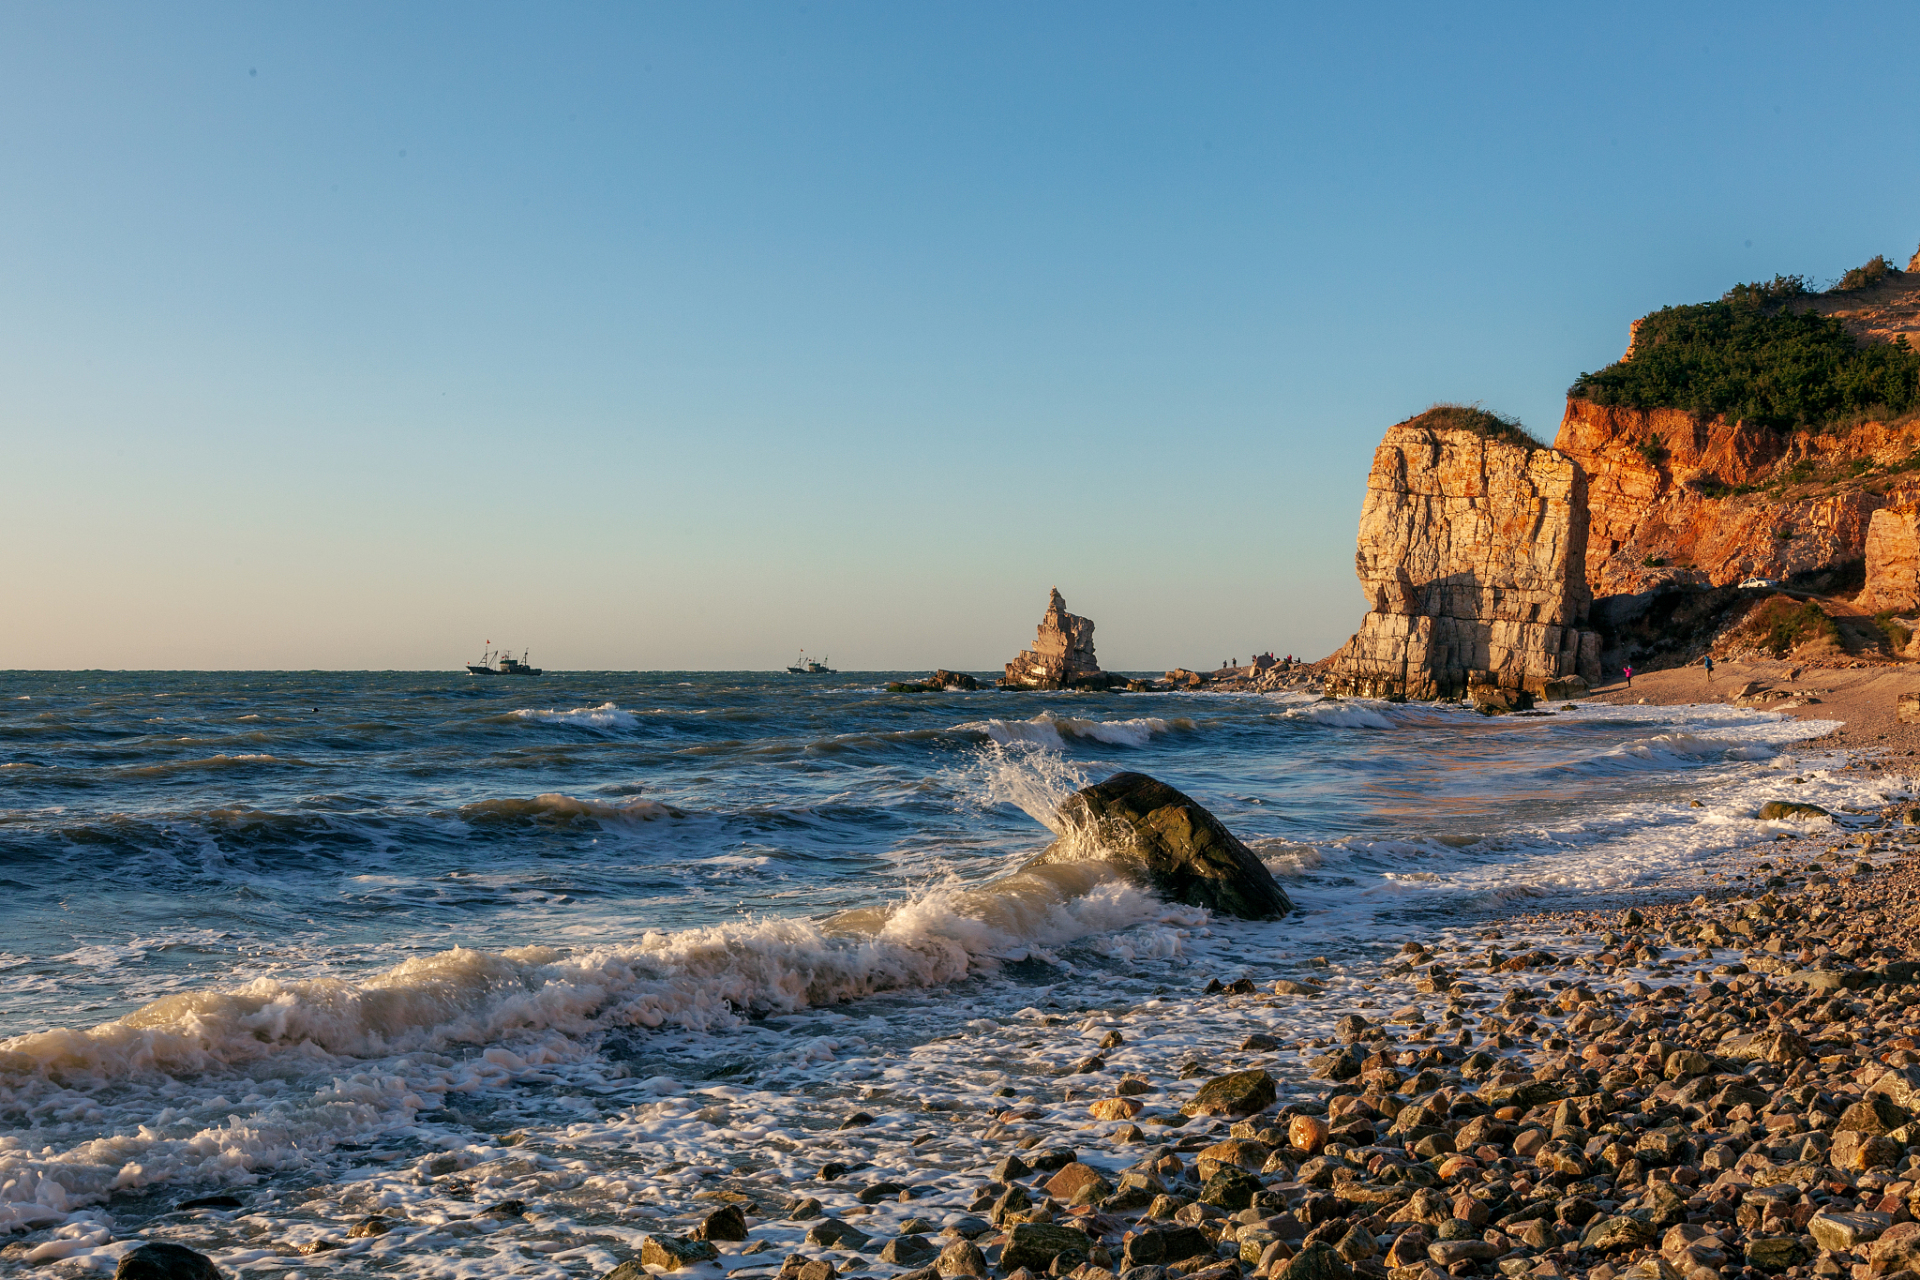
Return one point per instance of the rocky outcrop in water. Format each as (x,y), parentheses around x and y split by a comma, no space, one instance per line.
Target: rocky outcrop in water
(1062,655)
(1169,842)
(1472,552)
(939,681)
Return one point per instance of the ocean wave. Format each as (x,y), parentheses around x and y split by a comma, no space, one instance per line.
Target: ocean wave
(245,760)
(552,807)
(1343,714)
(1050,730)
(700,979)
(1665,748)
(321,1060)
(605,716)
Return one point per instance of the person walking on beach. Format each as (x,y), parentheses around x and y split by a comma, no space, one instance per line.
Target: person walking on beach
(1628,673)
(1709,668)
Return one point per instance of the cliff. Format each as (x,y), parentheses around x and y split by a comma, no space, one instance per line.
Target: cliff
(1679,499)
(1472,553)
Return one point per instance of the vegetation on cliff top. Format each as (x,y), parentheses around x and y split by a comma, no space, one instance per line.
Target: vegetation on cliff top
(1747,357)
(1471,417)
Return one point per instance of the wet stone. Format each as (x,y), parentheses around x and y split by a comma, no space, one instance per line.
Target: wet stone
(1240,1093)
(160,1260)
(728,1223)
(1317,1261)
(1161,1246)
(794,1268)
(1610,1235)
(834,1233)
(1775,1253)
(1011,1169)
(670,1253)
(961,1258)
(909,1251)
(1037,1244)
(1230,1188)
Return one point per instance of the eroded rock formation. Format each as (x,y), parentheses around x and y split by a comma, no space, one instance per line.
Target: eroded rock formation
(1472,552)
(1062,654)
(1678,500)
(1168,841)
(1893,560)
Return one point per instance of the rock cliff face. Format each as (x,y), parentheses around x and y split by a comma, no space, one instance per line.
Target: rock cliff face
(1472,552)
(1893,560)
(1677,500)
(1061,657)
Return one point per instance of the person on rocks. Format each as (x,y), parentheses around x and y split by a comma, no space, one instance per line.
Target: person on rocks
(1709,666)
(1628,673)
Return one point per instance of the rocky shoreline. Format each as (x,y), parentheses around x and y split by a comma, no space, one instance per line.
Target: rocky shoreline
(1691,1087)
(1727,1086)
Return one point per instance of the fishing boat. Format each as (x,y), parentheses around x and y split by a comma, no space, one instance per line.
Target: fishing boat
(503,664)
(805,666)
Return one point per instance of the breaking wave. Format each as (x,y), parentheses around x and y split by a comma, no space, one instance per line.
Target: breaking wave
(1663,748)
(1050,730)
(1339,715)
(605,716)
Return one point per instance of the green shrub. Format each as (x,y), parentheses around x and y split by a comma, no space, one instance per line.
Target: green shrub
(1780,624)
(1655,562)
(1766,293)
(1715,487)
(1873,271)
(1897,635)
(1775,369)
(1471,417)
(1654,450)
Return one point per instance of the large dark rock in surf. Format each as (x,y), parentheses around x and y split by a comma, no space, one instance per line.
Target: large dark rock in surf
(160,1260)
(1170,843)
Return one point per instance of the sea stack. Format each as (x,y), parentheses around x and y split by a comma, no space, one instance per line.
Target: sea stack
(1472,550)
(1062,655)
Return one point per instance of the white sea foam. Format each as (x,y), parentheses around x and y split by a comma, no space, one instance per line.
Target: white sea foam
(1050,730)
(1024,775)
(322,1060)
(1664,747)
(605,716)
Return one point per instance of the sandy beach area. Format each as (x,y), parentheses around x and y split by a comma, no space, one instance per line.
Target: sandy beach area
(1863,698)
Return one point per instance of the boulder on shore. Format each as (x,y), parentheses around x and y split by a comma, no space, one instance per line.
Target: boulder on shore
(1062,655)
(1169,842)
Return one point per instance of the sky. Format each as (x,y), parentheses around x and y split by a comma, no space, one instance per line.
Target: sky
(659,337)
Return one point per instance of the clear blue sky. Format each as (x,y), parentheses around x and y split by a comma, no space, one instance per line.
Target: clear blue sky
(688,336)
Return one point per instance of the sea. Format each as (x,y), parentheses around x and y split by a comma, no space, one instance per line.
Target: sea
(527,969)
